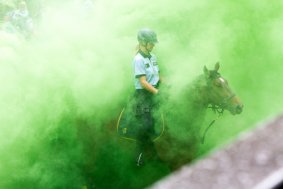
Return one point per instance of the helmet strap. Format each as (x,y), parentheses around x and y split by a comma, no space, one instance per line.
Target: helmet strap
(146,47)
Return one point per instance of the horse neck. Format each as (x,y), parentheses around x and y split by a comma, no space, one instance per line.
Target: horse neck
(199,93)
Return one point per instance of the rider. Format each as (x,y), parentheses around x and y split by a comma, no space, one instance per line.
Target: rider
(22,20)
(146,81)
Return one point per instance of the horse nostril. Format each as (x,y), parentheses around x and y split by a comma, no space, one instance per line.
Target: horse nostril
(239,109)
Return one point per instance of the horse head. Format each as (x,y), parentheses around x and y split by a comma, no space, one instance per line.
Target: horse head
(219,94)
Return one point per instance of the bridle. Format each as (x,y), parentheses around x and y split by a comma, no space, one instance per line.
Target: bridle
(217,108)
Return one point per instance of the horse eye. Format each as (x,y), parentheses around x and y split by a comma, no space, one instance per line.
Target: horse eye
(218,84)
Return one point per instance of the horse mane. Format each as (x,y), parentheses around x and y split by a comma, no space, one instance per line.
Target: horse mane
(198,88)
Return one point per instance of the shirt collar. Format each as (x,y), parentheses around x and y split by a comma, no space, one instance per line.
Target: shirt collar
(145,55)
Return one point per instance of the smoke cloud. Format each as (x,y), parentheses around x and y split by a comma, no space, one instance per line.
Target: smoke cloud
(62,90)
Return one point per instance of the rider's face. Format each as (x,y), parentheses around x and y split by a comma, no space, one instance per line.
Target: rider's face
(149,46)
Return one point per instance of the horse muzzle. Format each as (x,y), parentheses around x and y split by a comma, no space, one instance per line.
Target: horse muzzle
(235,106)
(237,109)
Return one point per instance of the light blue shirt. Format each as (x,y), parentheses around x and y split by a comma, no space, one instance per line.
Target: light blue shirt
(145,66)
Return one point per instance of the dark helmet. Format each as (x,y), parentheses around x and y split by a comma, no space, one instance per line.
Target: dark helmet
(147,35)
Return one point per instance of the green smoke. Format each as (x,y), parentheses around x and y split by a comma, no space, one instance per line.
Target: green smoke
(62,90)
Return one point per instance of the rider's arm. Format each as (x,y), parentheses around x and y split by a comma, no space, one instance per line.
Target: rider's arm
(147,86)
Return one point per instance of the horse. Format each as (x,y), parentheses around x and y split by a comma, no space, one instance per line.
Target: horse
(182,117)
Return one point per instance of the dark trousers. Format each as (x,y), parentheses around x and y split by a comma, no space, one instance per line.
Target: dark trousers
(144,109)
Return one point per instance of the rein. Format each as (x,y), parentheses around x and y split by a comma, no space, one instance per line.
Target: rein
(216,109)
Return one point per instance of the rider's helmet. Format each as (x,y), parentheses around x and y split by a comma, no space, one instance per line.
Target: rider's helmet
(146,35)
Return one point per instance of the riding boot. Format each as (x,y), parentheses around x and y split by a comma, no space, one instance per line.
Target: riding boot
(140,153)
(145,150)
(140,159)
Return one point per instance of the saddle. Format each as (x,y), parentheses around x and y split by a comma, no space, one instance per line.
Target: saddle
(127,125)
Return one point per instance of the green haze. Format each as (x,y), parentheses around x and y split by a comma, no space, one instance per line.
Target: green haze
(61,89)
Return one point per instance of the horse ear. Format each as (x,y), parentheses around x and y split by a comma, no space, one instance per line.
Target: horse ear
(217,66)
(205,71)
